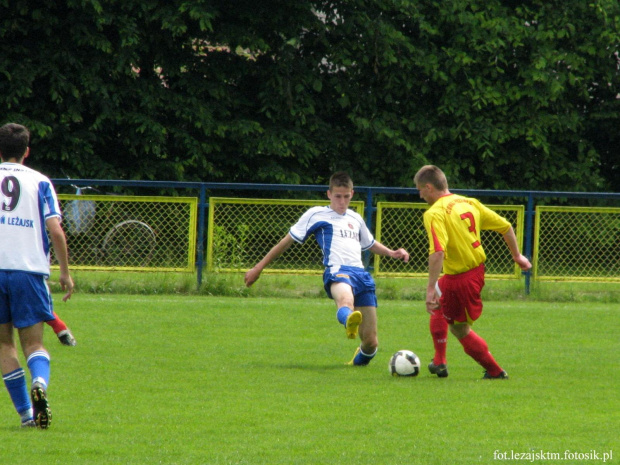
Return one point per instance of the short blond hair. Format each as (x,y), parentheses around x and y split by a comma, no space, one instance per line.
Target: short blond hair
(431,174)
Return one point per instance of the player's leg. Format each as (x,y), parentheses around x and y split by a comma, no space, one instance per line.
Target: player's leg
(350,318)
(37,357)
(38,360)
(64,334)
(366,304)
(33,306)
(56,324)
(439,333)
(477,348)
(368,337)
(14,376)
(461,306)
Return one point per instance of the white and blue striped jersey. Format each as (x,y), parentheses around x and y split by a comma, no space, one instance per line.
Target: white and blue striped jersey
(27,200)
(342,238)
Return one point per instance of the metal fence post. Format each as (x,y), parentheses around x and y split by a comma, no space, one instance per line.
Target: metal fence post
(529,232)
(202,205)
(369,223)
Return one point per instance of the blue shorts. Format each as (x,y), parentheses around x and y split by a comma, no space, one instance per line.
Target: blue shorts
(24,299)
(360,281)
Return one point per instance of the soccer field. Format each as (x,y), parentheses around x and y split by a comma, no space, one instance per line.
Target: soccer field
(213,380)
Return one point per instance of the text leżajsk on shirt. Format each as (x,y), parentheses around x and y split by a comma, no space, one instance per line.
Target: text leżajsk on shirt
(342,238)
(27,200)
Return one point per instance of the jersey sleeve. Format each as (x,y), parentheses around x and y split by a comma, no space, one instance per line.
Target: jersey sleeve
(490,220)
(304,227)
(436,231)
(366,238)
(51,206)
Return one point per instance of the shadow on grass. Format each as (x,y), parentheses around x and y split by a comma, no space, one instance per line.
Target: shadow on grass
(312,367)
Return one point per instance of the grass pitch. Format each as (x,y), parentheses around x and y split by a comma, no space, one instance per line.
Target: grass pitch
(224,380)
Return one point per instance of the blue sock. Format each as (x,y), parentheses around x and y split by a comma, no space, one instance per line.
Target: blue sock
(363,359)
(39,365)
(342,314)
(15,383)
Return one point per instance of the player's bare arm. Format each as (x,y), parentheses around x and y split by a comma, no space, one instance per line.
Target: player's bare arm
(399,254)
(59,242)
(511,240)
(252,275)
(435,265)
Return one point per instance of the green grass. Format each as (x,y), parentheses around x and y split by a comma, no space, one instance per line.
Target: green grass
(279,285)
(194,379)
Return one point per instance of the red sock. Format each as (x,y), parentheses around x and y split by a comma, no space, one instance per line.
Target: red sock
(477,348)
(439,332)
(57,325)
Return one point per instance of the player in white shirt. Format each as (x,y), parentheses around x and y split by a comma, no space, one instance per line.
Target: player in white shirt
(28,206)
(342,235)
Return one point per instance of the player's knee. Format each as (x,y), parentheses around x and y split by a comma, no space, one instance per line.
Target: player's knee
(344,302)
(459,330)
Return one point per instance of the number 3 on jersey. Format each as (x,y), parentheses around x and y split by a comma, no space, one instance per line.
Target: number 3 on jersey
(472,227)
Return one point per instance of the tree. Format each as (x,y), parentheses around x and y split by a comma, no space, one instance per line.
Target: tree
(501,94)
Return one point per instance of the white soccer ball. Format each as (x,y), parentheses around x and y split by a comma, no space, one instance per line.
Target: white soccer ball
(404,363)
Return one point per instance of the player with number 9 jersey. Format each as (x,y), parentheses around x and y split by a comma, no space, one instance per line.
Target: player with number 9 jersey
(29,223)
(28,200)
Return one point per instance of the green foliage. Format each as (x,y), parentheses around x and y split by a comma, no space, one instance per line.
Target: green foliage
(189,380)
(502,94)
(231,247)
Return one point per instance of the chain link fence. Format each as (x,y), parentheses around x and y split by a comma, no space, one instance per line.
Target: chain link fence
(401,225)
(242,231)
(163,233)
(577,243)
(130,233)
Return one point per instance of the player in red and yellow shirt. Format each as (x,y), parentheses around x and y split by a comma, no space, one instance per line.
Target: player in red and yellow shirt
(453,223)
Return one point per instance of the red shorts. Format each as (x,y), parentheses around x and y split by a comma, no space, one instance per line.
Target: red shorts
(460,295)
